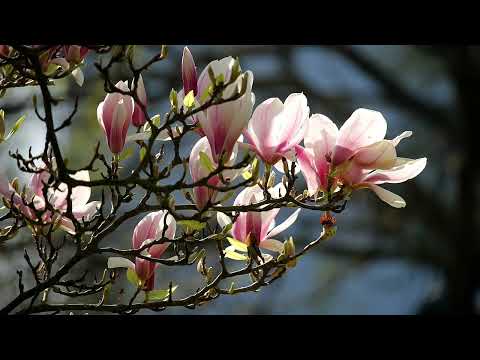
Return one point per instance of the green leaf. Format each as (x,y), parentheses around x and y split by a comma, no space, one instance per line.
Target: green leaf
(189,100)
(158,295)
(126,154)
(246,175)
(156,120)
(231,254)
(236,70)
(211,75)
(173,99)
(143,152)
(15,128)
(238,245)
(255,168)
(207,93)
(133,278)
(220,79)
(192,224)
(206,162)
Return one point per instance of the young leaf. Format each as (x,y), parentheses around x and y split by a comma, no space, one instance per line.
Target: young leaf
(189,100)
(173,99)
(246,175)
(206,162)
(238,245)
(158,295)
(15,127)
(133,278)
(156,120)
(220,79)
(192,224)
(232,254)
(143,152)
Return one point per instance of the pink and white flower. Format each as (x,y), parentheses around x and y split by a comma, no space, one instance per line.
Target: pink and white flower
(275,128)
(82,210)
(114,115)
(256,226)
(203,194)
(138,116)
(151,228)
(221,124)
(357,155)
(189,73)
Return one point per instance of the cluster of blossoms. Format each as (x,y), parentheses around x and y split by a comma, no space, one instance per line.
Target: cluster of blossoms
(57,60)
(356,156)
(353,157)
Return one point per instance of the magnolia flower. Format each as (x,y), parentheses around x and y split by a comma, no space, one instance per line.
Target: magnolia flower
(138,117)
(12,196)
(357,155)
(81,208)
(189,72)
(222,124)
(275,128)
(50,62)
(4,51)
(114,115)
(255,228)
(75,53)
(200,169)
(151,228)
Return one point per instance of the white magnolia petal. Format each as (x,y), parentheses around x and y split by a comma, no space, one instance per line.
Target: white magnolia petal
(404,170)
(400,137)
(387,196)
(284,225)
(77,75)
(272,244)
(120,262)
(223,220)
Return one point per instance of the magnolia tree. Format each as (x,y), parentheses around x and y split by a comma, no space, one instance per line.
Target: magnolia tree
(242,170)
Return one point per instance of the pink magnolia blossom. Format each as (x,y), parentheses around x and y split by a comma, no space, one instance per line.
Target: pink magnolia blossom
(4,51)
(357,155)
(151,228)
(221,124)
(138,117)
(198,171)
(258,227)
(189,72)
(81,208)
(114,115)
(75,53)
(275,128)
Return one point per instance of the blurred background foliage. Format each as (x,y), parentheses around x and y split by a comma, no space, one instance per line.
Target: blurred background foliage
(421,259)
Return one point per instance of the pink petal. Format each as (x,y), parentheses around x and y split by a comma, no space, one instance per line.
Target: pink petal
(397,174)
(387,196)
(305,161)
(379,155)
(189,72)
(363,128)
(284,225)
